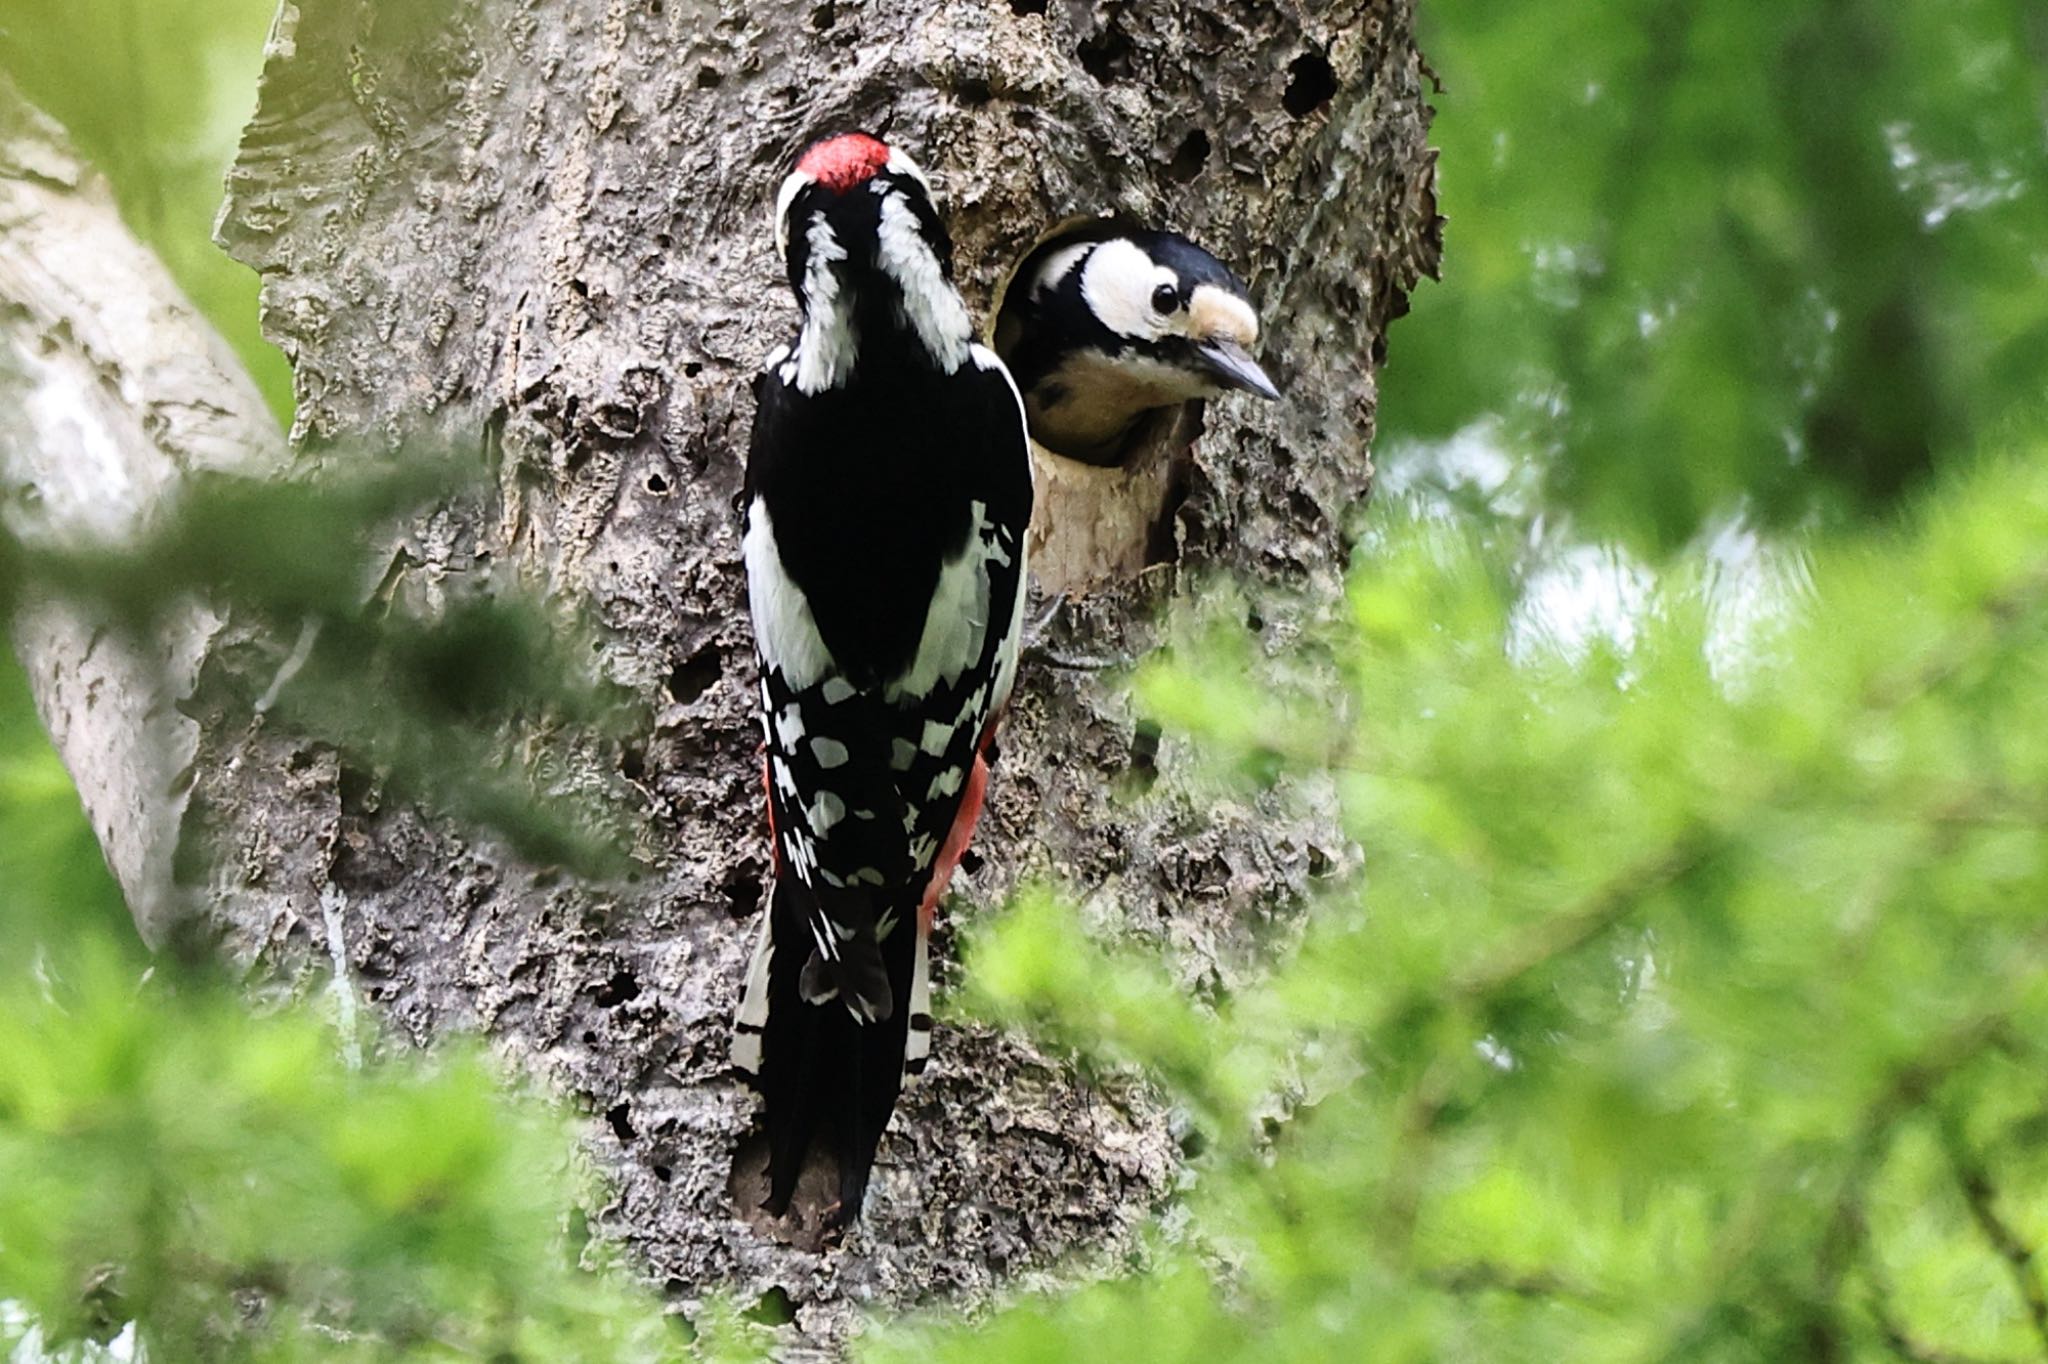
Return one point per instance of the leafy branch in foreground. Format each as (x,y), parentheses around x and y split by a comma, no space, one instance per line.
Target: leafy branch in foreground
(225,1183)
(427,695)
(1664,1023)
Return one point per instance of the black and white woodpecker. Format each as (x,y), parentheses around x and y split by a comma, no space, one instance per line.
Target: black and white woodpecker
(1104,323)
(887,494)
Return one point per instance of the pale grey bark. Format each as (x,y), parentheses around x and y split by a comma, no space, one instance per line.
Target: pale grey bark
(112,391)
(540,227)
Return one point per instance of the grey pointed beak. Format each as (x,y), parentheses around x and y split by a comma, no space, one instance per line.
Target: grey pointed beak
(1233,367)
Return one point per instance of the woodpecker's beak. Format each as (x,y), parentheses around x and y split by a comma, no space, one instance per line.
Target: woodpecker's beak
(1233,367)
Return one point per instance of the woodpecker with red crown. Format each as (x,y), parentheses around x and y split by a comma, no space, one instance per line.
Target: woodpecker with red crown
(887,494)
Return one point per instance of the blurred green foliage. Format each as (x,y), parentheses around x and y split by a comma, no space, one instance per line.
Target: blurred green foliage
(1676,1015)
(1784,255)
(55,883)
(1665,1023)
(228,1184)
(155,92)
(428,697)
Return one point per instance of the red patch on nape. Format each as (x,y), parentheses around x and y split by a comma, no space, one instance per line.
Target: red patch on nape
(840,163)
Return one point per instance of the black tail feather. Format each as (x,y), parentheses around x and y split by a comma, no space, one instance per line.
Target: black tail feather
(823,1072)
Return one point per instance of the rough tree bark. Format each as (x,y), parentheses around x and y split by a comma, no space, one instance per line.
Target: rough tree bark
(541,226)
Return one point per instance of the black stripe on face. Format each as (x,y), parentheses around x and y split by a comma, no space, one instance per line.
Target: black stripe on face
(855,218)
(920,1022)
(915,1065)
(748,1027)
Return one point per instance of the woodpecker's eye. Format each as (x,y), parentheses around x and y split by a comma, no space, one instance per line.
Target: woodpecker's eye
(1165,299)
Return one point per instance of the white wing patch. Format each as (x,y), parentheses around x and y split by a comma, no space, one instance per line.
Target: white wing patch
(789,726)
(1006,671)
(826,811)
(947,783)
(753,1015)
(917,1043)
(956,620)
(784,630)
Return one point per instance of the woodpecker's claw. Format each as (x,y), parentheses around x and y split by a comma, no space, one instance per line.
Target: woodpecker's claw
(1038,647)
(1041,624)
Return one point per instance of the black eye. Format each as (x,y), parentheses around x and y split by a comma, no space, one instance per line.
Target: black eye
(1165,299)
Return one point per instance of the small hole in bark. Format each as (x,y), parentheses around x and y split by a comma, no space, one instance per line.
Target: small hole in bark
(709,77)
(975,92)
(663,1173)
(654,6)
(1253,621)
(742,890)
(357,794)
(1107,55)
(970,861)
(633,764)
(774,1309)
(1027,6)
(692,369)
(694,676)
(824,16)
(662,241)
(589,1037)
(1318,862)
(1310,84)
(622,1122)
(1145,753)
(616,991)
(1188,161)
(1193,1143)
(657,485)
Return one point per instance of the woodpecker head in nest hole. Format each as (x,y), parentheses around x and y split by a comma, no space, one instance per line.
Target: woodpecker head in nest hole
(1104,323)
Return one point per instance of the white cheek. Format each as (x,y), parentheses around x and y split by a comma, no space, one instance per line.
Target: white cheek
(901,164)
(1118,281)
(792,185)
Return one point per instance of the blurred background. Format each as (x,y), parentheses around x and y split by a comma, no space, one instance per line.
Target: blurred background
(1697,662)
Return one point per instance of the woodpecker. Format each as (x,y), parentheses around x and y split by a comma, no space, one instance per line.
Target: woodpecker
(887,493)
(1103,323)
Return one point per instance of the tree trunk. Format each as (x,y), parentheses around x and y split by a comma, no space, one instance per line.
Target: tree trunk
(541,226)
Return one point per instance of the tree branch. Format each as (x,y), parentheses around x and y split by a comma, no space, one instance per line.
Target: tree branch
(115,390)
(1973,1178)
